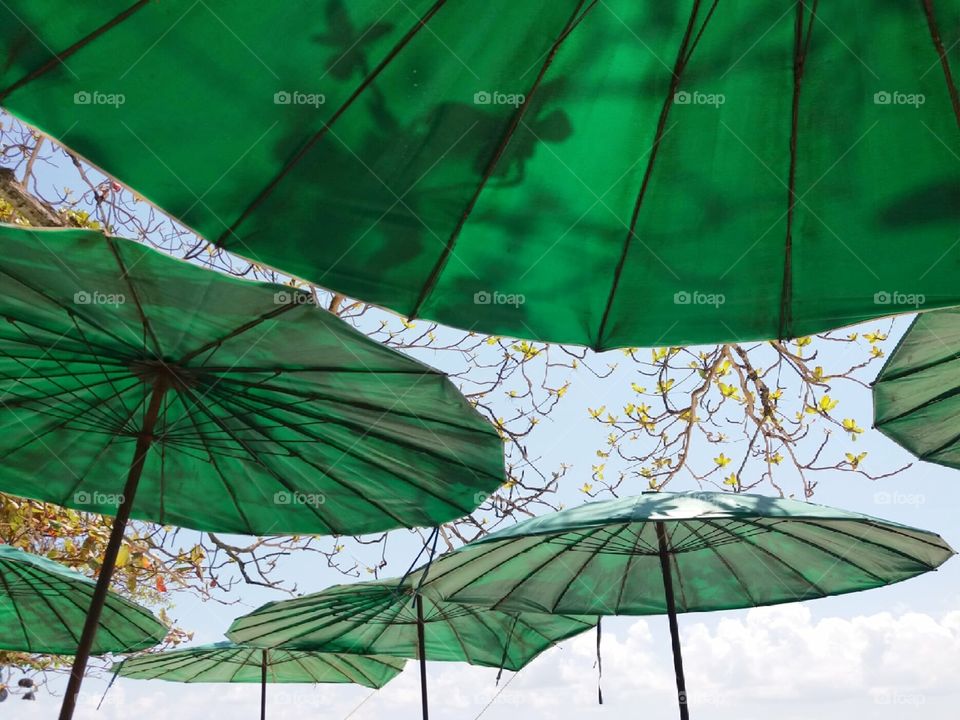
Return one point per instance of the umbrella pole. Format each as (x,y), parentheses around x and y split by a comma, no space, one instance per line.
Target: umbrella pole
(263,685)
(422,653)
(92,622)
(672,616)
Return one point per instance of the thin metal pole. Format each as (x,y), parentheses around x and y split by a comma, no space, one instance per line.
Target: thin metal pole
(92,622)
(263,685)
(422,654)
(672,616)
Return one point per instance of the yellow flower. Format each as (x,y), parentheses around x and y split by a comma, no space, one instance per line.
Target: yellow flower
(850,425)
(827,404)
(803,341)
(595,414)
(855,460)
(731,480)
(587,487)
(722,460)
(664,386)
(875,337)
(775,459)
(729,391)
(638,388)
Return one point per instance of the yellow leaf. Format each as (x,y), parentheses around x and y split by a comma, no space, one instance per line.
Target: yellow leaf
(123,556)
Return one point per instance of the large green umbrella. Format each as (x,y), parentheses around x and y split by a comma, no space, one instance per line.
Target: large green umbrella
(683,552)
(392,618)
(225,662)
(626,172)
(143,386)
(916,396)
(43,605)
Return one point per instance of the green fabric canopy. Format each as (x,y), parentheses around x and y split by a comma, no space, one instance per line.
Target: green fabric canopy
(725,550)
(225,662)
(276,417)
(380,617)
(614,173)
(916,396)
(43,605)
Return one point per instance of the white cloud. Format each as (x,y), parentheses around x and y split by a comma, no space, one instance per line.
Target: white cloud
(760,663)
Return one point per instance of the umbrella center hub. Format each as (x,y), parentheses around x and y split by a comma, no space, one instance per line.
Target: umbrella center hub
(166,371)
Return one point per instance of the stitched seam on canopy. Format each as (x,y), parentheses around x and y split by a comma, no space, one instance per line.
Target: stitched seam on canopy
(683,56)
(59,57)
(498,153)
(320,134)
(942,53)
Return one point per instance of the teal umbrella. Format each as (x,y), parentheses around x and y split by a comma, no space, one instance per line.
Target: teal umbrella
(43,605)
(683,552)
(615,173)
(142,386)
(916,396)
(396,618)
(225,662)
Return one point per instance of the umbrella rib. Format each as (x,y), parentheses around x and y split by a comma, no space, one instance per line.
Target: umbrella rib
(81,588)
(456,634)
(626,573)
(223,480)
(498,152)
(320,134)
(590,557)
(198,402)
(675,75)
(364,458)
(345,659)
(546,539)
(125,276)
(746,540)
(327,472)
(62,55)
(68,310)
(218,343)
(839,558)
(880,545)
(352,403)
(16,608)
(726,563)
(98,360)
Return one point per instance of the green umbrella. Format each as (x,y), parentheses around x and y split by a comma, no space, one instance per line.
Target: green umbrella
(392,618)
(617,173)
(683,552)
(43,605)
(225,662)
(916,396)
(143,386)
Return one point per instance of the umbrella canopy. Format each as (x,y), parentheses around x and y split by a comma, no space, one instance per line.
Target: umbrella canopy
(275,417)
(143,386)
(916,396)
(381,618)
(726,551)
(226,662)
(614,173)
(683,552)
(43,605)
